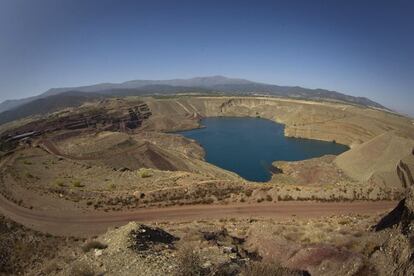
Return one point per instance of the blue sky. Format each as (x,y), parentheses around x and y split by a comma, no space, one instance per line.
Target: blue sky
(361,48)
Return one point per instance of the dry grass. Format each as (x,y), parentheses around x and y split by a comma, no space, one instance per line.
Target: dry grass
(267,269)
(5,253)
(144,173)
(77,184)
(60,183)
(81,269)
(189,263)
(29,175)
(93,245)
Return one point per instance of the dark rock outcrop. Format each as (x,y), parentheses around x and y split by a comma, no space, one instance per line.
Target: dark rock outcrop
(396,255)
(145,238)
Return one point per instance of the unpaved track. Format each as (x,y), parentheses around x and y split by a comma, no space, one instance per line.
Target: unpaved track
(85,224)
(70,223)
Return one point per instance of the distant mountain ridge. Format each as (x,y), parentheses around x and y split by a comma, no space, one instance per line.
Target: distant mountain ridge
(15,109)
(203,82)
(46,105)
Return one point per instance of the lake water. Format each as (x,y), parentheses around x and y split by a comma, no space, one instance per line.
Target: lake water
(248,146)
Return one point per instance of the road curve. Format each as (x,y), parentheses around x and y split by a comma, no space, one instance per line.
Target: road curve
(69,223)
(92,223)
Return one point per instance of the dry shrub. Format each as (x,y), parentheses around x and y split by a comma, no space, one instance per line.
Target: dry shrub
(77,184)
(226,269)
(5,255)
(60,183)
(93,245)
(145,173)
(268,269)
(293,236)
(29,175)
(51,267)
(81,269)
(189,263)
(248,192)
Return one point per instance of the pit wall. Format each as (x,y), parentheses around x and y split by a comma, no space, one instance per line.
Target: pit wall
(378,139)
(345,124)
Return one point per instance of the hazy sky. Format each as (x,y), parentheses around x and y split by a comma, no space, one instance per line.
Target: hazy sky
(361,48)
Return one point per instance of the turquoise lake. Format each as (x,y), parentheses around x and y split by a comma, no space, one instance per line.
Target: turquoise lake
(248,146)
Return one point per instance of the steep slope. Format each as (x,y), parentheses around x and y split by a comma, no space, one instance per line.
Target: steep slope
(377,159)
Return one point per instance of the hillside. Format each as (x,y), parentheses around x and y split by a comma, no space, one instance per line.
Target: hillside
(214,84)
(376,159)
(47,105)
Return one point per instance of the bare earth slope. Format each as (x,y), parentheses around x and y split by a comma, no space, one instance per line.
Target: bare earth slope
(376,159)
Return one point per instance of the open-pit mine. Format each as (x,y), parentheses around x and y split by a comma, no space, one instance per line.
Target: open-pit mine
(112,187)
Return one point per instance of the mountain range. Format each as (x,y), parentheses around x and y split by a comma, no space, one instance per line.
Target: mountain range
(56,98)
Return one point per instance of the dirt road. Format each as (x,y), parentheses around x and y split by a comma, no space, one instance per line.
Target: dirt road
(70,223)
(85,224)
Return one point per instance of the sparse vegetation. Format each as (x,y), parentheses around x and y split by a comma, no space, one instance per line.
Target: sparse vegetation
(22,249)
(60,183)
(267,269)
(189,263)
(81,269)
(144,173)
(94,244)
(77,184)
(29,175)
(5,253)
